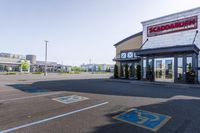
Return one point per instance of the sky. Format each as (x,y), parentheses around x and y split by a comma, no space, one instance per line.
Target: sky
(77,30)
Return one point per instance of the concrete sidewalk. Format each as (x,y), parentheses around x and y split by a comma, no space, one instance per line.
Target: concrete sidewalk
(166,84)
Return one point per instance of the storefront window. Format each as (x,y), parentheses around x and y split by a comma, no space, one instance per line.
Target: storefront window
(131,69)
(168,69)
(159,69)
(135,69)
(144,68)
(188,64)
(180,68)
(149,70)
(150,63)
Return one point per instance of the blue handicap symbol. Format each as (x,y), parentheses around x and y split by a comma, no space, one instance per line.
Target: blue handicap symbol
(145,119)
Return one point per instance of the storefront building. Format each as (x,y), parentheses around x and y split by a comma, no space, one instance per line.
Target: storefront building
(125,54)
(170,45)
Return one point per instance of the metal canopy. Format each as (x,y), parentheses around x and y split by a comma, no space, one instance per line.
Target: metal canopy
(127,59)
(168,50)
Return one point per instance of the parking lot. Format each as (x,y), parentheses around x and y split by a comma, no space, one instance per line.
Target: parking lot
(29,104)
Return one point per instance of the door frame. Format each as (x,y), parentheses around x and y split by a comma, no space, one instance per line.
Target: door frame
(163,79)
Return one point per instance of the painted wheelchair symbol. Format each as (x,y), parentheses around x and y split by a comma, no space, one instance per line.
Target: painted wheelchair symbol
(145,119)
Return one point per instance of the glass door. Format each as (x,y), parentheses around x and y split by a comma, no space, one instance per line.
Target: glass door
(164,69)
(158,69)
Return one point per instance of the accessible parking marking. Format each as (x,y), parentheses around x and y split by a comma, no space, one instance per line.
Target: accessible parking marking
(52,118)
(144,119)
(70,99)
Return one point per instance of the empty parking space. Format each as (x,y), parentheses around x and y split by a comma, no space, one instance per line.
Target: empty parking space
(41,121)
(33,108)
(85,105)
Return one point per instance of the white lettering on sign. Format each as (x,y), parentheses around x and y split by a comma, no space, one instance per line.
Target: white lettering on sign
(173,26)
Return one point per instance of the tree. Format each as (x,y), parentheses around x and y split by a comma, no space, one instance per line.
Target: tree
(138,72)
(100,68)
(25,65)
(76,69)
(115,71)
(126,71)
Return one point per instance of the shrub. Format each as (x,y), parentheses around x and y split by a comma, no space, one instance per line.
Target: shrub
(25,65)
(37,72)
(138,72)
(126,71)
(76,72)
(72,72)
(190,75)
(121,71)
(149,73)
(115,71)
(75,68)
(11,73)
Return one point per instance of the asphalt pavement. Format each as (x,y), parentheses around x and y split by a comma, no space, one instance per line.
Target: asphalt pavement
(27,105)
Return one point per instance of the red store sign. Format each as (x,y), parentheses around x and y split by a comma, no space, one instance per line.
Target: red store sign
(173,26)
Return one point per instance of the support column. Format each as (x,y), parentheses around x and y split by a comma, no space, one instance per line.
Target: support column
(184,67)
(153,68)
(175,68)
(195,66)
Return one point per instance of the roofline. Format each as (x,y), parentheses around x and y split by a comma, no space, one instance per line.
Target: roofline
(132,36)
(197,8)
(127,59)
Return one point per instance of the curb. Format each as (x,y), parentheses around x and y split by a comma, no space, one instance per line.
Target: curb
(166,84)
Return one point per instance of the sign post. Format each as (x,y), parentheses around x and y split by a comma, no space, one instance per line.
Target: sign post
(45,69)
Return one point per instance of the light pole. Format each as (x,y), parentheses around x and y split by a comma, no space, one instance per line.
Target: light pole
(45,69)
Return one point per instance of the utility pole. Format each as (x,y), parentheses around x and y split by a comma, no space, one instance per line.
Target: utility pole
(45,69)
(90,61)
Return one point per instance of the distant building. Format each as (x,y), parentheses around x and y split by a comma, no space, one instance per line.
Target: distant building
(13,62)
(63,68)
(31,58)
(9,64)
(15,56)
(40,66)
(97,67)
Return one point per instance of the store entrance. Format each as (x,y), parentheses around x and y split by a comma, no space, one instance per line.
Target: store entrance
(164,69)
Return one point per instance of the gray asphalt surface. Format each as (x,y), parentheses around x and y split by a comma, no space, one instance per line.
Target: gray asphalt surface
(20,105)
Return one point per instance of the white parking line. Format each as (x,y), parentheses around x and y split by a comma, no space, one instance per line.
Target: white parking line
(52,118)
(20,98)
